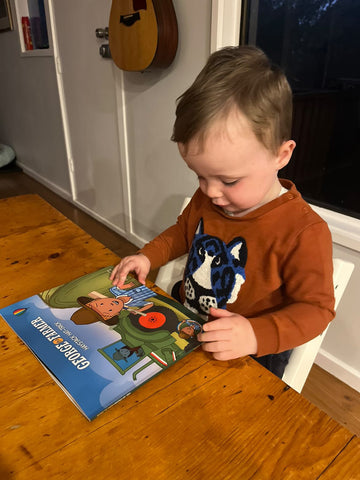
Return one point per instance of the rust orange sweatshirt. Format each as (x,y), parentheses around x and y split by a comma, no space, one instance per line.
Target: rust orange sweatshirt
(273,266)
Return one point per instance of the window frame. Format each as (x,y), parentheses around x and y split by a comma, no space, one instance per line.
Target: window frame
(226,18)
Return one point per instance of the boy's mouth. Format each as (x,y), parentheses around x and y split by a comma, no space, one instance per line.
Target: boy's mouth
(227,209)
(232,211)
(220,205)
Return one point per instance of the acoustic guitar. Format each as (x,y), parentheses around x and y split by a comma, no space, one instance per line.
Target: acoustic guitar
(142,34)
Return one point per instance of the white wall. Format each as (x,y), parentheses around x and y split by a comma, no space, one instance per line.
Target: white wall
(30,112)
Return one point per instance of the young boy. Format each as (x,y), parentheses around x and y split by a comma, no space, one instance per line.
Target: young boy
(260,260)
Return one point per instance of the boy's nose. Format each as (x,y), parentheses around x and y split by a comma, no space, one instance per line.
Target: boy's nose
(213,191)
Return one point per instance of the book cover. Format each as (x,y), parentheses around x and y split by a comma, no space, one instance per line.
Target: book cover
(25,22)
(38,23)
(99,342)
(35,32)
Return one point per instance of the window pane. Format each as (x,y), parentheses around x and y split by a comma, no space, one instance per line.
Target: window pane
(317,43)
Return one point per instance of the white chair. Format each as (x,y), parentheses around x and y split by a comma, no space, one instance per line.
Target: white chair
(302,357)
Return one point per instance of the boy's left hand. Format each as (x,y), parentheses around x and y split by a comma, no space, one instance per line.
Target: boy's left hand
(229,336)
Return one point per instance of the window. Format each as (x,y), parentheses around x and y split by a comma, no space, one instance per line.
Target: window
(317,44)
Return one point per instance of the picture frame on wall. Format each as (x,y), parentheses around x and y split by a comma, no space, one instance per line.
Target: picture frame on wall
(6,22)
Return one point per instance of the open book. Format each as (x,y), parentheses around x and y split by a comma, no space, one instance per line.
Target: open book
(100,343)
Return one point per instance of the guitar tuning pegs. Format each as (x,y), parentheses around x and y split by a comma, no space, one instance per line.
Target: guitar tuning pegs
(104,50)
(102,33)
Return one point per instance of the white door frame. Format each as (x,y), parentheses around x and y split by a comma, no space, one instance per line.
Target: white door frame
(225,23)
(63,108)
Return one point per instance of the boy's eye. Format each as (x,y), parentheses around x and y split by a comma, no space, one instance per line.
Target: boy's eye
(230,183)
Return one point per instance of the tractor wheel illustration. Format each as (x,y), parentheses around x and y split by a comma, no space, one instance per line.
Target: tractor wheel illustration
(155,318)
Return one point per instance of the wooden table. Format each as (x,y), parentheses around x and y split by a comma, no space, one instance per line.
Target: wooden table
(200,419)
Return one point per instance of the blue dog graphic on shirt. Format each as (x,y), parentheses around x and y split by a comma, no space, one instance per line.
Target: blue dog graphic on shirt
(214,272)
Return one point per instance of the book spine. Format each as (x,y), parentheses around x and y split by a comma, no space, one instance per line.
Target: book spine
(43,26)
(38,23)
(25,22)
(33,7)
(36,32)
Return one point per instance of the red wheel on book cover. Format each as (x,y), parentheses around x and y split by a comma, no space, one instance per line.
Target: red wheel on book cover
(152,320)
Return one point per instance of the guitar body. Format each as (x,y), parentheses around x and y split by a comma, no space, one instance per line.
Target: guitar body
(142,34)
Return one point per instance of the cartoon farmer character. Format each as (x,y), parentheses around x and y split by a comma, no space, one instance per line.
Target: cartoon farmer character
(97,307)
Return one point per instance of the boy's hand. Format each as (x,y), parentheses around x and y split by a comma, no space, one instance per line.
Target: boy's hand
(139,264)
(229,336)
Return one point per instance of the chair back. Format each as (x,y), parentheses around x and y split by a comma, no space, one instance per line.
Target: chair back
(303,357)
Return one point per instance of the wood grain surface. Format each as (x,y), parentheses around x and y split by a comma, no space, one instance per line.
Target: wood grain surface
(200,419)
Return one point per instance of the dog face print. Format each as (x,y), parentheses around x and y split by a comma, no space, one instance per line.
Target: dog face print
(214,272)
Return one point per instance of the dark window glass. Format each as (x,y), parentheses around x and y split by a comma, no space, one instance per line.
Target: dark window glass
(317,44)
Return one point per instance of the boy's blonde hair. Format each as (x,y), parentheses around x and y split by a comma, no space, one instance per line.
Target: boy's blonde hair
(240,77)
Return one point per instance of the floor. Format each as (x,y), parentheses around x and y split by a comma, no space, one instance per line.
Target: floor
(322,389)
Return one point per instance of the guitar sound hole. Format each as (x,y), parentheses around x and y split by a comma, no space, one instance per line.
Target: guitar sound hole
(129,20)
(139,5)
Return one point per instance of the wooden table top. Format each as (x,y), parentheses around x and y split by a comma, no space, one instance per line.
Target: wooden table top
(200,419)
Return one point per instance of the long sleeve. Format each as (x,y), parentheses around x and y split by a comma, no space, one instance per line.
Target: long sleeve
(307,291)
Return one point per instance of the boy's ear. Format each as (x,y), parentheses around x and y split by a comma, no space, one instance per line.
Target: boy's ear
(284,154)
(182,148)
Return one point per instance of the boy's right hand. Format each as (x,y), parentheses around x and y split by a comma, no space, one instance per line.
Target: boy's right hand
(139,264)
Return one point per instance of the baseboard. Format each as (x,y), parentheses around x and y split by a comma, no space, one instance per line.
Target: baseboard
(339,369)
(138,241)
(131,237)
(44,181)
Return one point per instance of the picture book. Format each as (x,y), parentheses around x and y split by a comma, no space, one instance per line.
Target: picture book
(100,342)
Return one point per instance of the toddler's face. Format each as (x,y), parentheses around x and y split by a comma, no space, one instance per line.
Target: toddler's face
(234,169)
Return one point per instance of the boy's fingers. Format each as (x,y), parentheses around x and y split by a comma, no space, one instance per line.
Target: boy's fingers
(135,263)
(218,324)
(120,282)
(112,275)
(142,278)
(213,336)
(215,347)
(219,312)
(119,279)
